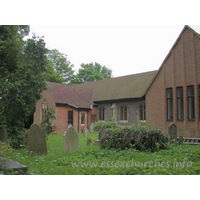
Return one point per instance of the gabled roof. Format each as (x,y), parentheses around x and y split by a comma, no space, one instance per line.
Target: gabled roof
(124,87)
(174,45)
(78,97)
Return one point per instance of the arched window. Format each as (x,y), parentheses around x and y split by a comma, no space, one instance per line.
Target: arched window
(82,118)
(101,113)
(123,112)
(44,110)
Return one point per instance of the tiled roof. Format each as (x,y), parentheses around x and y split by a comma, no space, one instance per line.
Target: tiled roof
(75,96)
(131,86)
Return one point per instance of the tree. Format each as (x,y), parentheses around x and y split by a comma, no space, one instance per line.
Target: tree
(22,78)
(91,72)
(59,69)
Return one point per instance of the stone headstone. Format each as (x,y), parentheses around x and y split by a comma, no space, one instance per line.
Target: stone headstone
(7,165)
(69,126)
(4,137)
(35,140)
(180,142)
(92,126)
(70,140)
(88,141)
(172,131)
(85,131)
(96,142)
(101,130)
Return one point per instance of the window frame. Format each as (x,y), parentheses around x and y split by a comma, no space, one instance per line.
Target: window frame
(70,117)
(191,103)
(101,113)
(44,110)
(180,103)
(142,111)
(123,109)
(82,118)
(170,109)
(199,99)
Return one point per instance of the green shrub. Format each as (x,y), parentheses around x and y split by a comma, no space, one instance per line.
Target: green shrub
(142,139)
(110,125)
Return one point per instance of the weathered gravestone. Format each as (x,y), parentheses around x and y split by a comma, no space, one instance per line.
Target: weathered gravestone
(101,130)
(172,131)
(88,141)
(35,140)
(4,137)
(7,165)
(85,131)
(96,142)
(180,140)
(92,126)
(70,140)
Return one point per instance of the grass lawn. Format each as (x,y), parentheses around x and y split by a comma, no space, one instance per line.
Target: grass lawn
(91,159)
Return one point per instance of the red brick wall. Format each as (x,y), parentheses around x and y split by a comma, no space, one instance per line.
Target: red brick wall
(62,118)
(180,69)
(50,102)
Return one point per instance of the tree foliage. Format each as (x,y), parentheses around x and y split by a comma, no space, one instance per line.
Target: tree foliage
(59,69)
(22,78)
(91,72)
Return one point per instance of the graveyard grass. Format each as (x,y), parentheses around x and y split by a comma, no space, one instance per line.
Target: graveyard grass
(110,162)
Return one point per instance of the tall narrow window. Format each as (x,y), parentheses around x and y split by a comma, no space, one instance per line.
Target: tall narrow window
(142,111)
(180,107)
(44,110)
(70,117)
(82,118)
(191,107)
(199,101)
(169,104)
(101,113)
(123,113)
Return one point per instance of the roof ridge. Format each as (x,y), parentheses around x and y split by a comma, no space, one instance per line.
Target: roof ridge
(140,73)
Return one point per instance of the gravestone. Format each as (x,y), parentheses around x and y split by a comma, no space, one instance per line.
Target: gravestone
(96,142)
(4,137)
(70,140)
(88,141)
(180,142)
(101,130)
(7,165)
(85,131)
(35,140)
(92,126)
(172,131)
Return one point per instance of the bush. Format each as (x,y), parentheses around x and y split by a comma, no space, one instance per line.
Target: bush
(110,125)
(142,139)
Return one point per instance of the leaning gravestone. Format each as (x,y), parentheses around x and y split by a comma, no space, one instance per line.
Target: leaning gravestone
(101,130)
(172,131)
(70,140)
(92,126)
(7,165)
(35,140)
(4,137)
(85,131)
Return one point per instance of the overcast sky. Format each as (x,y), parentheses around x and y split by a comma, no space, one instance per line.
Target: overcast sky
(123,49)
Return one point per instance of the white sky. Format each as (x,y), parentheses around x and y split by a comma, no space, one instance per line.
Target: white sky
(126,36)
(123,49)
